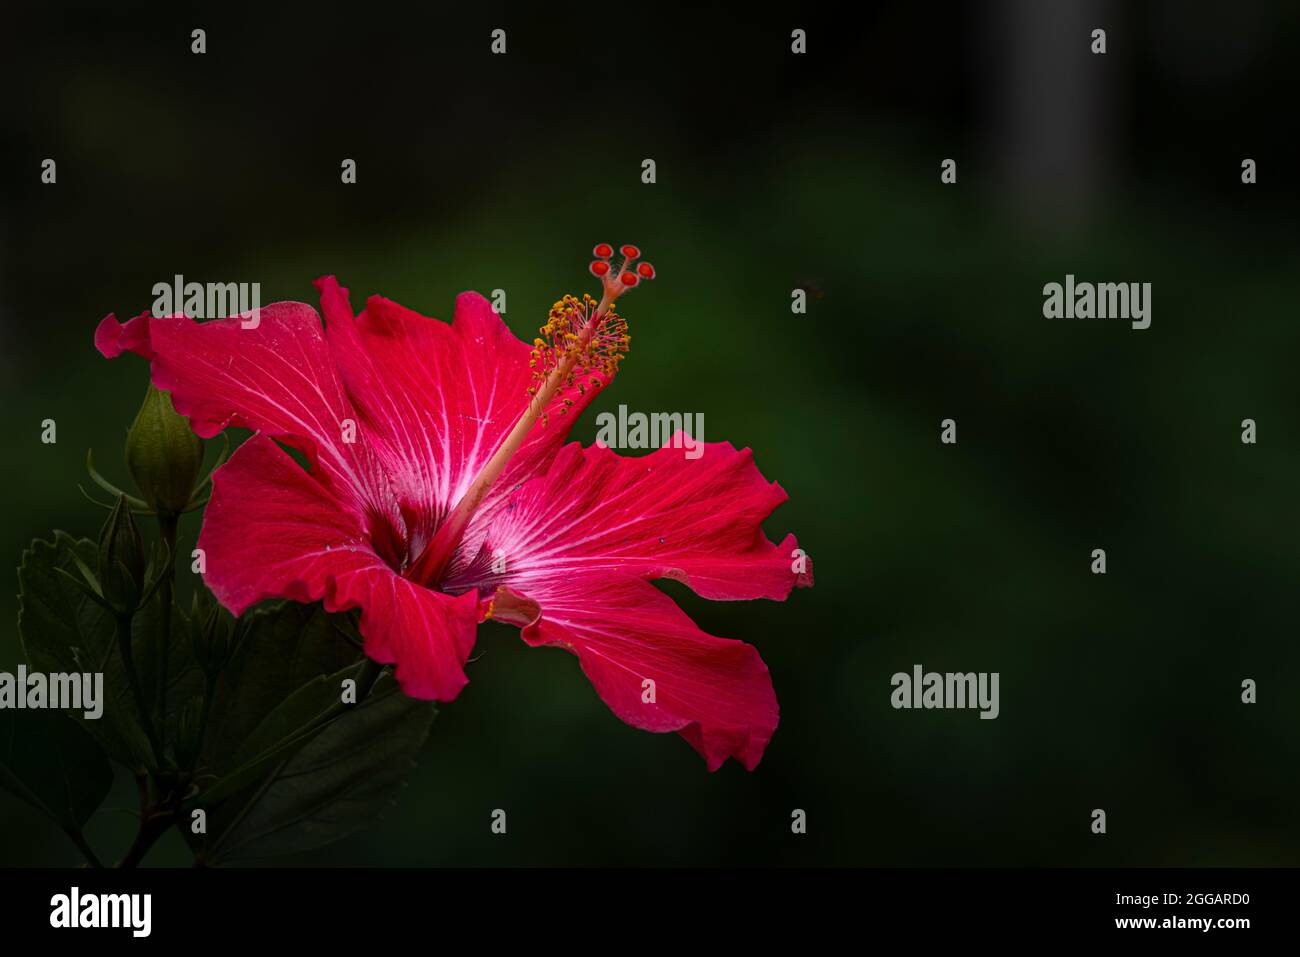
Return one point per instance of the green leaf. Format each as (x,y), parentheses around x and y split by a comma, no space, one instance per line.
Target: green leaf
(284,646)
(289,726)
(53,765)
(286,764)
(184,674)
(342,779)
(63,630)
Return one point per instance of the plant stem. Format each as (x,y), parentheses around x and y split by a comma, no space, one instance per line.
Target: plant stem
(128,660)
(79,839)
(155,819)
(209,692)
(153,825)
(167,523)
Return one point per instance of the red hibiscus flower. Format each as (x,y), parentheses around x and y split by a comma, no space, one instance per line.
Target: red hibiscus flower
(440,493)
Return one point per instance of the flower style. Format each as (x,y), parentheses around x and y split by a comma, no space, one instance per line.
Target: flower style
(439,493)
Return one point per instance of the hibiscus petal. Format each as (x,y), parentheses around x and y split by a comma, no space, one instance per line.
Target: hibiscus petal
(634,644)
(578,543)
(662,515)
(427,634)
(112,338)
(277,378)
(438,399)
(272,530)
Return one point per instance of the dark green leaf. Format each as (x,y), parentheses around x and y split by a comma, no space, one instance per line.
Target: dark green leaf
(184,676)
(345,777)
(285,646)
(52,764)
(63,630)
(289,726)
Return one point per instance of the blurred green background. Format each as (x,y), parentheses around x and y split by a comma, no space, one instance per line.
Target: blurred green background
(774,171)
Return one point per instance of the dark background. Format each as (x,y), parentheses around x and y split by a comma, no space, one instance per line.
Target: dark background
(477,171)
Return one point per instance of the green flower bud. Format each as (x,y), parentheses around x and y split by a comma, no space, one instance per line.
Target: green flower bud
(121,558)
(163,455)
